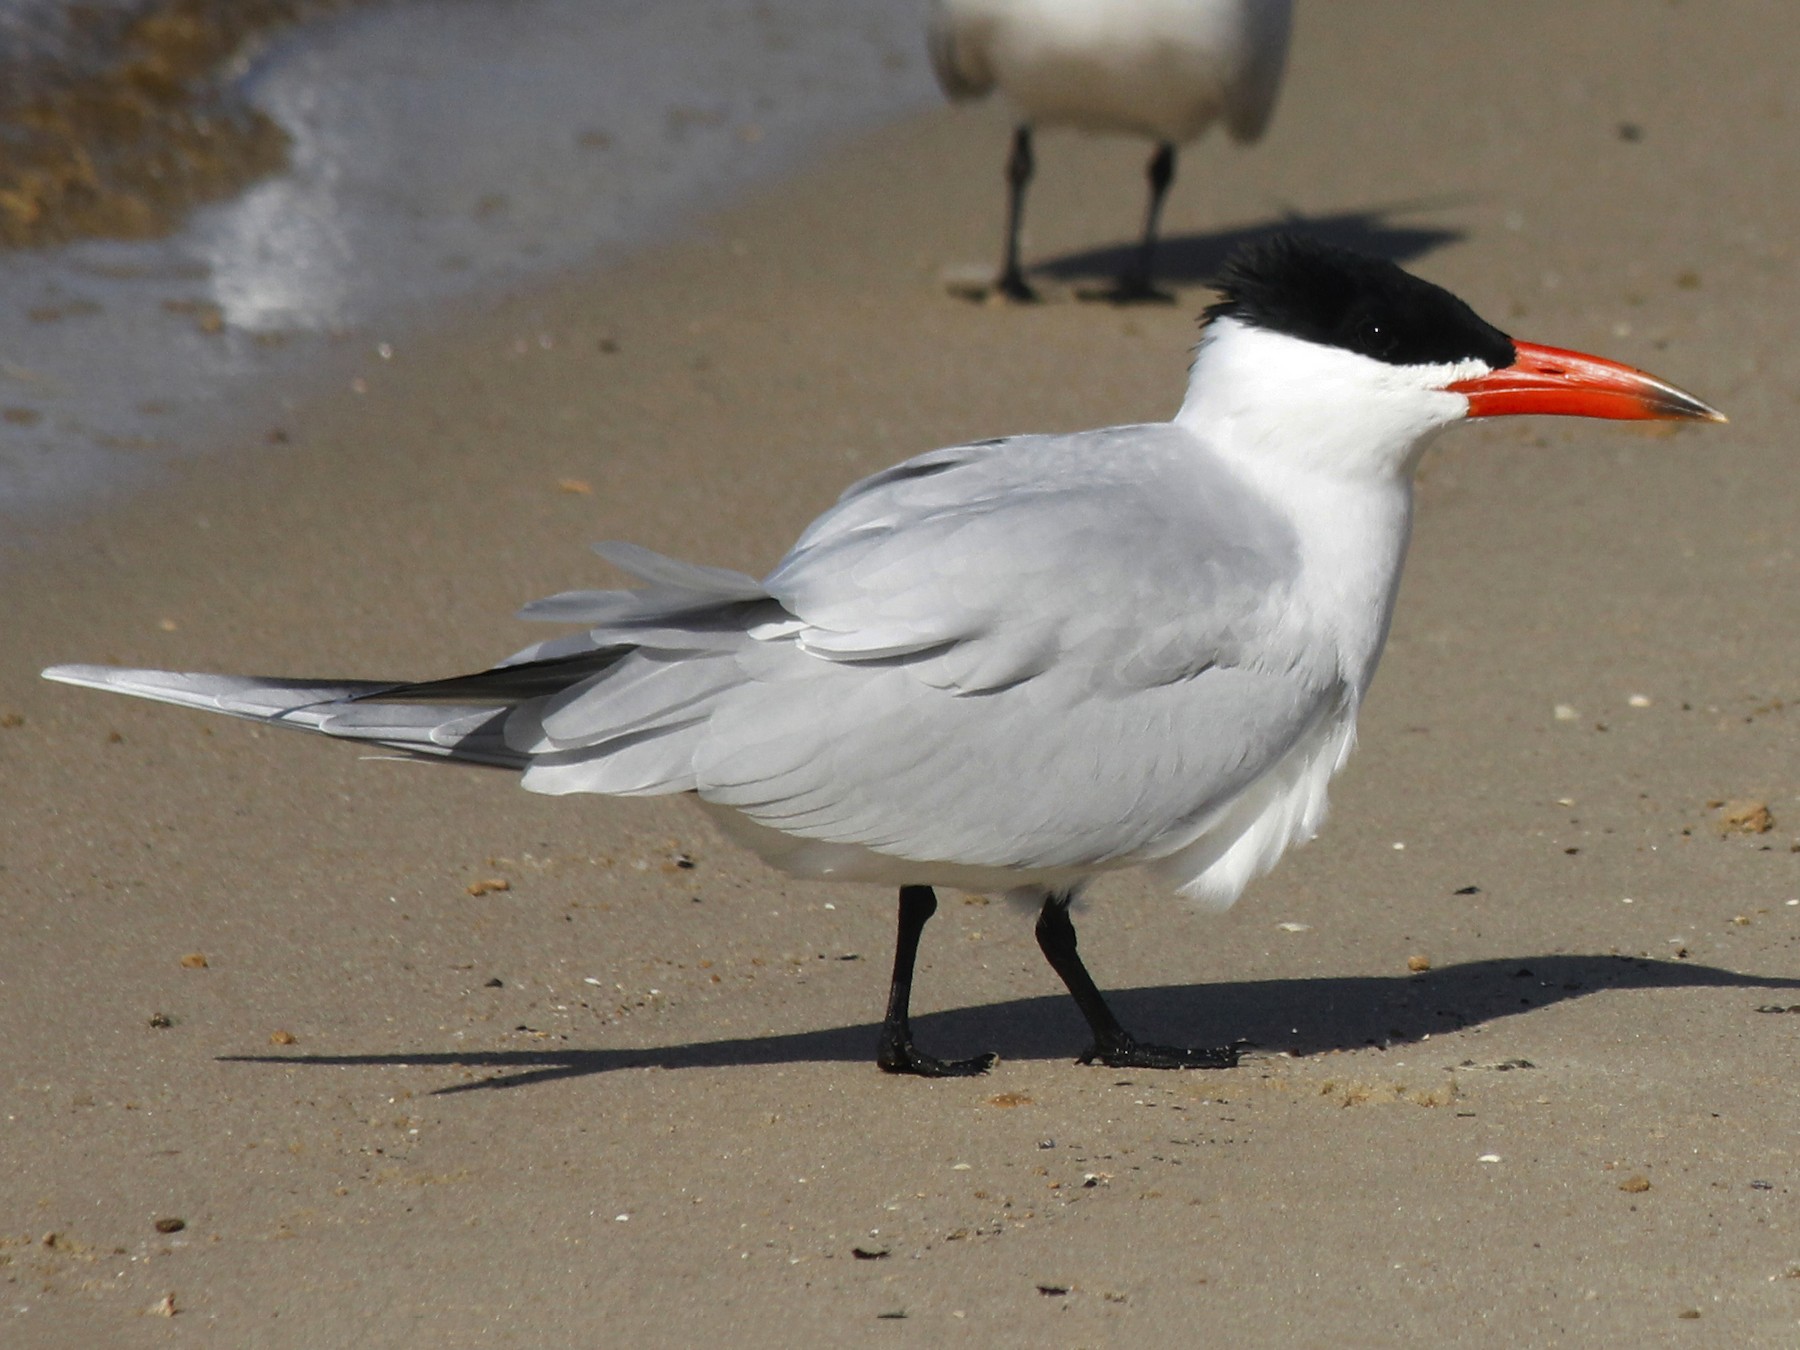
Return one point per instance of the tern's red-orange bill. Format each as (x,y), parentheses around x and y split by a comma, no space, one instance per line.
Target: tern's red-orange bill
(1574,384)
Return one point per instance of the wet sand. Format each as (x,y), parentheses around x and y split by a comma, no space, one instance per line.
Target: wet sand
(623,1099)
(436,152)
(120,119)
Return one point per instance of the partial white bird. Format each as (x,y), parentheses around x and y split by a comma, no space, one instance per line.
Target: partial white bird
(1020,663)
(1162,69)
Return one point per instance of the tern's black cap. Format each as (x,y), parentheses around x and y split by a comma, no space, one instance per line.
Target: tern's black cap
(1318,292)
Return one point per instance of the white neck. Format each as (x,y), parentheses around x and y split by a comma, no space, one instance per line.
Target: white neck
(1330,438)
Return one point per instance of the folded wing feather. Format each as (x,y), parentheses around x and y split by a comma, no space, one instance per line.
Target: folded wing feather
(1059,651)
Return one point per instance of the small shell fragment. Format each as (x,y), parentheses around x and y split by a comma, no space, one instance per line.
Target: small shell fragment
(1743,816)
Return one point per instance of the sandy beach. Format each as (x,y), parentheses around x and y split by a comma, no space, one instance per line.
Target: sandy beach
(314,1050)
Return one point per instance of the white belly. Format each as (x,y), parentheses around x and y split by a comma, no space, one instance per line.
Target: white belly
(1163,69)
(1209,863)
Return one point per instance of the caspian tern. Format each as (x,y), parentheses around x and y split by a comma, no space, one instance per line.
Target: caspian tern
(1019,663)
(1162,69)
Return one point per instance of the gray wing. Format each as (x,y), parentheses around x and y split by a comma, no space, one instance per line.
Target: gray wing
(1250,100)
(1043,652)
(1040,652)
(1128,555)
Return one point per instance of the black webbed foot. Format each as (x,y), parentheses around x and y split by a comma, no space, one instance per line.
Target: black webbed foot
(1013,286)
(1131,1054)
(1113,1046)
(1135,290)
(895,1053)
(902,1057)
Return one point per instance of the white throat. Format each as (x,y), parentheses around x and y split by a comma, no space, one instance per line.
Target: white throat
(1261,396)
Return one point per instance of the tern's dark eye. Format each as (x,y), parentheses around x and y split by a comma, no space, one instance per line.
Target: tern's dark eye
(1372,337)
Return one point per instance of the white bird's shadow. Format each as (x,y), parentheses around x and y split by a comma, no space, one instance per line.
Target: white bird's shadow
(1194,259)
(1298,1017)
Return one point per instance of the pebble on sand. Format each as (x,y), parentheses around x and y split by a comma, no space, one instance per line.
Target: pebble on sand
(1742,816)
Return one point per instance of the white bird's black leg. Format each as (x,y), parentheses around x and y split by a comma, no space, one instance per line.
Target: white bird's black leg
(1137,282)
(896,1053)
(1113,1045)
(1019,167)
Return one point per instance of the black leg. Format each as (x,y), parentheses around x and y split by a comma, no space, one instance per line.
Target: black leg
(896,1053)
(1113,1045)
(1019,168)
(1137,281)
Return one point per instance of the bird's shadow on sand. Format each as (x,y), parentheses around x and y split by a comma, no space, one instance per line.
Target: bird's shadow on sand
(1195,259)
(1298,1017)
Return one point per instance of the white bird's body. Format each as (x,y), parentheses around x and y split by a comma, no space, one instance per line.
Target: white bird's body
(1163,69)
(1018,663)
(1004,665)
(986,683)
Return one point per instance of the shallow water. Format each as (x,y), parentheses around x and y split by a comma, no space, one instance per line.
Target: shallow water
(437,149)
